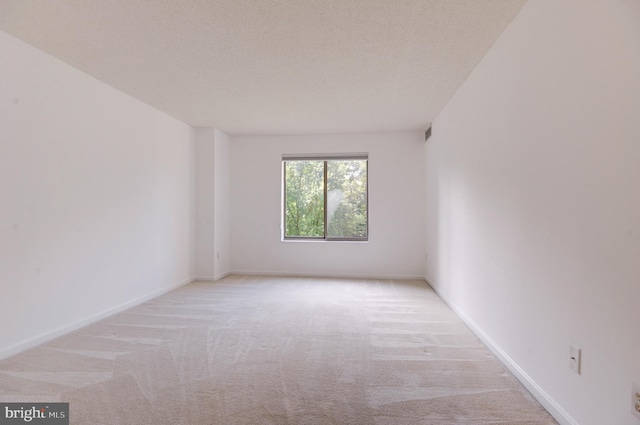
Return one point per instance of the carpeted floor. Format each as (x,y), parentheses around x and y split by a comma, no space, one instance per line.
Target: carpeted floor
(266,350)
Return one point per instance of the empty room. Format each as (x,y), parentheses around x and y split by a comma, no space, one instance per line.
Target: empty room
(320,212)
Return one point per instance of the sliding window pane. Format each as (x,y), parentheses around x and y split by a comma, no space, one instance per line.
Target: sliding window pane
(304,198)
(347,199)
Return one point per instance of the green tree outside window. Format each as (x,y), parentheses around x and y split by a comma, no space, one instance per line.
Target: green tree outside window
(326,199)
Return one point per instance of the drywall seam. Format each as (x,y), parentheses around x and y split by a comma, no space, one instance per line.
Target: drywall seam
(538,392)
(51,335)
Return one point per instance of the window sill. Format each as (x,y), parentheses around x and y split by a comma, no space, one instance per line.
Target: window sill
(321,241)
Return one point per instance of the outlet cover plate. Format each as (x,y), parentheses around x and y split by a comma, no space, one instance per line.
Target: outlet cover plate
(635,400)
(574,358)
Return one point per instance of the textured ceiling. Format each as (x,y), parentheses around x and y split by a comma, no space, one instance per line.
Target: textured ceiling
(272,66)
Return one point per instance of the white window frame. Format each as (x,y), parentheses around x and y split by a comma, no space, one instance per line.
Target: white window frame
(324,158)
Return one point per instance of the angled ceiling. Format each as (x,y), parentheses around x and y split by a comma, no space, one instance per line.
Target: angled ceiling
(272,66)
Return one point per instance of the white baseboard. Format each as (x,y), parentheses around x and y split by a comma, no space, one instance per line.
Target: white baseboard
(327,275)
(538,392)
(211,278)
(222,275)
(50,335)
(204,279)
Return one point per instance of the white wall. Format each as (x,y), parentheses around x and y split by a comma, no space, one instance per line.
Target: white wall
(222,244)
(205,204)
(533,220)
(212,204)
(396,208)
(96,195)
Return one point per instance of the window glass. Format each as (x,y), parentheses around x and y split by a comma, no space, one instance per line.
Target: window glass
(347,199)
(304,199)
(326,199)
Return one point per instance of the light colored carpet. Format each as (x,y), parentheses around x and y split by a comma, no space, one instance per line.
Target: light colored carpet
(266,350)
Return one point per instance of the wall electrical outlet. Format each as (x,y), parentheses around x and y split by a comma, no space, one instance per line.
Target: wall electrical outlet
(635,400)
(574,358)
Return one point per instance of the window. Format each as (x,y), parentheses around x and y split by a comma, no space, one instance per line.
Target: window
(325,197)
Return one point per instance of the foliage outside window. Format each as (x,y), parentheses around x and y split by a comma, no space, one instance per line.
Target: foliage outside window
(326,198)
